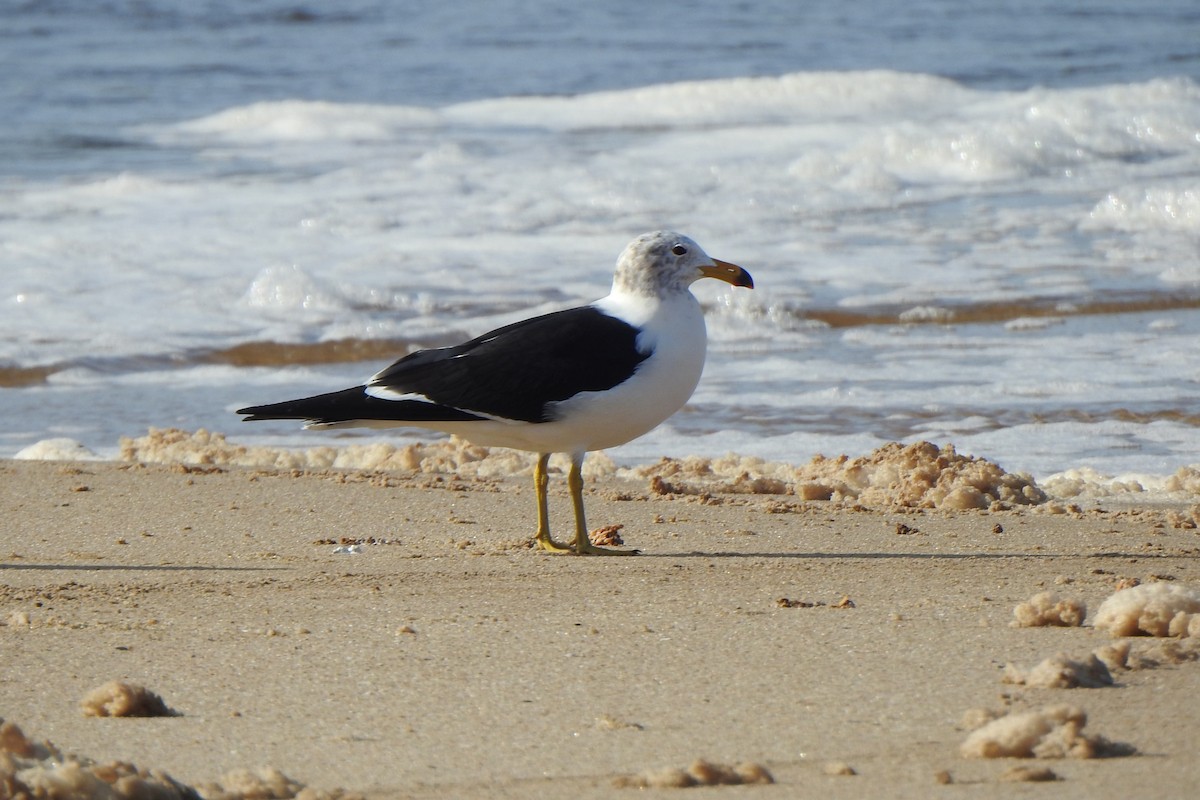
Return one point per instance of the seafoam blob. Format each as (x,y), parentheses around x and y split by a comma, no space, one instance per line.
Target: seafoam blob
(453,456)
(1185,479)
(923,475)
(41,770)
(838,769)
(1047,608)
(1115,656)
(1061,672)
(1164,652)
(60,449)
(289,290)
(1088,482)
(1137,208)
(1032,323)
(281,122)
(120,699)
(1122,655)
(1026,774)
(1151,609)
(920,475)
(1052,732)
(700,773)
(919,314)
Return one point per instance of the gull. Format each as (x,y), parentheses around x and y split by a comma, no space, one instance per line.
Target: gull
(573,381)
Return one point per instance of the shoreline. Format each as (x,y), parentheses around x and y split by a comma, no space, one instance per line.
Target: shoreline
(919,474)
(446,659)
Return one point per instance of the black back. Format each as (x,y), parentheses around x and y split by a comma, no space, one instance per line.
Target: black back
(515,371)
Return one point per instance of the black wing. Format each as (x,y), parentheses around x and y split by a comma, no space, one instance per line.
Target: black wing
(513,372)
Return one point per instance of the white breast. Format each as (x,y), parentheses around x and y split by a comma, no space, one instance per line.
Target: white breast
(674,332)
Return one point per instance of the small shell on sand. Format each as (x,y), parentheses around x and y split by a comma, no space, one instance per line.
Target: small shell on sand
(1151,609)
(117,699)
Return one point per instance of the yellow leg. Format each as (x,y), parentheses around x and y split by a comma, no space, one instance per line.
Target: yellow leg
(541,481)
(583,543)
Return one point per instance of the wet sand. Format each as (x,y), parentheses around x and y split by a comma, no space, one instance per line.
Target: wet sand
(391,634)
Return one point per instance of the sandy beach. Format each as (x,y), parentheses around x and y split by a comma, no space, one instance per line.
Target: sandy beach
(391,634)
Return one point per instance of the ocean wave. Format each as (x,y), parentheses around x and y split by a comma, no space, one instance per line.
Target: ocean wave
(924,252)
(913,126)
(273,122)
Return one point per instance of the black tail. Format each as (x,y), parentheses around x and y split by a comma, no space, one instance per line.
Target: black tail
(350,405)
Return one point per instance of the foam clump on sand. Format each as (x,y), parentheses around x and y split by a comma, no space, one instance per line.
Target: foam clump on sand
(1052,732)
(731,473)
(451,456)
(56,450)
(1025,774)
(1091,483)
(41,771)
(700,773)
(264,783)
(1186,479)
(119,699)
(920,475)
(1151,609)
(838,769)
(1061,672)
(1123,656)
(1048,609)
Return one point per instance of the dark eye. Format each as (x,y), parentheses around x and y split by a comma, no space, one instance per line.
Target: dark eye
(679,250)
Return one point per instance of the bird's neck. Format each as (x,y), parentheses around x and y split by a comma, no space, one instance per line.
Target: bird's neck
(638,308)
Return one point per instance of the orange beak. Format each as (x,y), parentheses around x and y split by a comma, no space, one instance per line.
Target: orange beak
(730,273)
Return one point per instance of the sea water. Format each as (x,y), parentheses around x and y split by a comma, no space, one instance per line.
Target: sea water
(968,222)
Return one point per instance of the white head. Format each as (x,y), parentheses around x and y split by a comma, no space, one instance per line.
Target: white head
(663,262)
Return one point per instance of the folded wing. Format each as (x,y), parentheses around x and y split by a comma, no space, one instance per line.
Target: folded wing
(516,372)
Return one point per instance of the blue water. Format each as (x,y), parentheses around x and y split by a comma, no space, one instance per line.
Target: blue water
(180,179)
(77,72)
